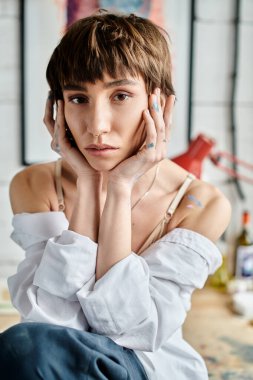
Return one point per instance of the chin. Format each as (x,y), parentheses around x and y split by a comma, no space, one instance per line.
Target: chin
(103,165)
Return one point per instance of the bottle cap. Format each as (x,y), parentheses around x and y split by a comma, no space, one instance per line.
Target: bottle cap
(245,217)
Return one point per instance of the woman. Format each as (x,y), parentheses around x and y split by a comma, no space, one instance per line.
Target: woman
(116,236)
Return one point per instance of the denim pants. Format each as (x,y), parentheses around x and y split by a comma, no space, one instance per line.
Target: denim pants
(31,351)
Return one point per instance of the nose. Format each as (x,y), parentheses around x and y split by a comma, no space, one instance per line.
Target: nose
(99,121)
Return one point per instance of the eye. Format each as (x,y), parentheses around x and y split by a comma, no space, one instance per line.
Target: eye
(121,97)
(78,99)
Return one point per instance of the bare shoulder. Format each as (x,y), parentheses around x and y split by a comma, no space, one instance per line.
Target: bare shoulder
(33,189)
(205,210)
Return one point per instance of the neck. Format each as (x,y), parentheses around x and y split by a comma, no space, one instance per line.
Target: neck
(145,185)
(140,187)
(146,179)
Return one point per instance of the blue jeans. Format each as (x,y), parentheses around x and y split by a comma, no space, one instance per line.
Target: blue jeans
(31,351)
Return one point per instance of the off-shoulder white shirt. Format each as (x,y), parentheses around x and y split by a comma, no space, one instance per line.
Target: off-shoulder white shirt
(140,303)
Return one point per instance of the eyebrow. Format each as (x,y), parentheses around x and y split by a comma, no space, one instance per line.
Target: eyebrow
(119,82)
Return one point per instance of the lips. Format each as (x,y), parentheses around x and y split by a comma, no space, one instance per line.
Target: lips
(100,146)
(101,150)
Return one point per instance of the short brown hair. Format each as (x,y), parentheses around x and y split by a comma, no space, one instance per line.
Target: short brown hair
(115,44)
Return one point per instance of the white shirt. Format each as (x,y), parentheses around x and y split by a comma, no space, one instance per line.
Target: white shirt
(140,303)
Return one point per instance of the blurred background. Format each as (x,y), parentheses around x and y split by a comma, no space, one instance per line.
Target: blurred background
(212,50)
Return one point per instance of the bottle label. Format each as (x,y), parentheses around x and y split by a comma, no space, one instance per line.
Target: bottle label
(244,262)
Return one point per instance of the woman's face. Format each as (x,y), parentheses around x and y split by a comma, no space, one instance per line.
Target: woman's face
(112,110)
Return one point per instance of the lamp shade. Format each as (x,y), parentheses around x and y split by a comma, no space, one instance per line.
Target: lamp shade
(197,151)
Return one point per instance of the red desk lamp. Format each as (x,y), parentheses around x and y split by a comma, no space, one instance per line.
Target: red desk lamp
(197,151)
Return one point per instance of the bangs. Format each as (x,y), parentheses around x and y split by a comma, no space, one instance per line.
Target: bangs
(91,67)
(100,51)
(113,45)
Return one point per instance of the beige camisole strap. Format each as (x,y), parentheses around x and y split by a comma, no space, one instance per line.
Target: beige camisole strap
(58,184)
(160,229)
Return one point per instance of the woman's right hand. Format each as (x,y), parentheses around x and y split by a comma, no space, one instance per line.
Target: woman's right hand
(61,143)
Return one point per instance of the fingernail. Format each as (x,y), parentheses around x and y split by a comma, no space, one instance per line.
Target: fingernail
(50,95)
(156,101)
(155,106)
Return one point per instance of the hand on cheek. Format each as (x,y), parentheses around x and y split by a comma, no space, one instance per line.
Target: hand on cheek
(154,148)
(61,142)
(155,128)
(160,109)
(142,130)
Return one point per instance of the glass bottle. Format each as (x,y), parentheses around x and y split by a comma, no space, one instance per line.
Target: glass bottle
(243,249)
(221,277)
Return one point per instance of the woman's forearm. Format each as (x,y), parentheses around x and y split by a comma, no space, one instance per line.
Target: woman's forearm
(114,241)
(85,216)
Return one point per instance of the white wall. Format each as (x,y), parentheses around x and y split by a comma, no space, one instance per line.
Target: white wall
(212,88)
(210,107)
(10,126)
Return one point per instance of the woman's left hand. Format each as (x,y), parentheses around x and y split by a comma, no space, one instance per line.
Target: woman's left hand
(157,123)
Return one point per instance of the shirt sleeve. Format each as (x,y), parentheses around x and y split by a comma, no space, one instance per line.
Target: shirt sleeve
(142,300)
(57,263)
